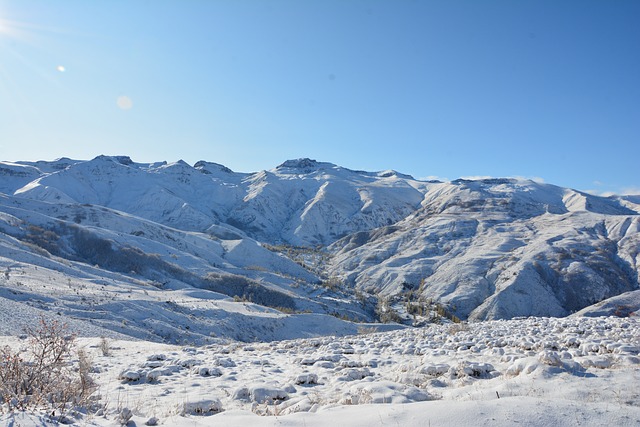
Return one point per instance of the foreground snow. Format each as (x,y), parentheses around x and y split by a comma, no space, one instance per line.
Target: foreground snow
(535,371)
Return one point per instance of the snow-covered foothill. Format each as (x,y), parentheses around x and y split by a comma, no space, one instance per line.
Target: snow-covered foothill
(482,249)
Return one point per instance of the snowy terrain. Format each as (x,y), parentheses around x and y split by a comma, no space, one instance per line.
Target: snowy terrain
(306,237)
(496,249)
(534,372)
(317,294)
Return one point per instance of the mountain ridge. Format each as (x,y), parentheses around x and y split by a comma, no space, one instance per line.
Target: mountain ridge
(309,236)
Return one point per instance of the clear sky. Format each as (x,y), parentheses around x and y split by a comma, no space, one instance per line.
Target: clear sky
(531,88)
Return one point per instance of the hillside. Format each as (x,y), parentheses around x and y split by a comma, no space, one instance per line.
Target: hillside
(498,249)
(179,253)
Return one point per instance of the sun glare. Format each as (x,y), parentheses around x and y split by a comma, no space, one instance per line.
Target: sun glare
(3,26)
(25,32)
(11,29)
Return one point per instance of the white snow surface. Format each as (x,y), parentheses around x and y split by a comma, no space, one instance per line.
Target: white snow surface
(496,249)
(534,372)
(249,298)
(304,237)
(300,202)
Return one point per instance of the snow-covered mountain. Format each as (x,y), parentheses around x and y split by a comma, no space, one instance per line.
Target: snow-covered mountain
(501,249)
(300,202)
(308,238)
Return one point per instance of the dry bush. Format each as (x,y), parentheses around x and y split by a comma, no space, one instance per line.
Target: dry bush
(44,375)
(365,330)
(105,346)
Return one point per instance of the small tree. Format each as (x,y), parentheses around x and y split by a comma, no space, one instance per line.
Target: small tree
(43,376)
(385,312)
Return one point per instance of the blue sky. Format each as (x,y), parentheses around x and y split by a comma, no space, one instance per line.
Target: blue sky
(544,89)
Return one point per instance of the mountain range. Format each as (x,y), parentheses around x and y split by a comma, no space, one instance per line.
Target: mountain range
(169,251)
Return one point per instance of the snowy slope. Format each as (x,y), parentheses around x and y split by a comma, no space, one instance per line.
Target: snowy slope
(484,249)
(500,249)
(540,372)
(229,296)
(14,176)
(302,202)
(131,276)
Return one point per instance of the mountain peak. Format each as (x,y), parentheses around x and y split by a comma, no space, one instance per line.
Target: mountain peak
(392,173)
(304,164)
(123,160)
(206,167)
(485,247)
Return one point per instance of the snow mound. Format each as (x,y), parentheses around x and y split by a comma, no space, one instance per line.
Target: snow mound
(534,371)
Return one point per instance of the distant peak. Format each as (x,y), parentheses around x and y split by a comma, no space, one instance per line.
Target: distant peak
(182,163)
(391,173)
(124,160)
(487,181)
(179,166)
(305,165)
(206,167)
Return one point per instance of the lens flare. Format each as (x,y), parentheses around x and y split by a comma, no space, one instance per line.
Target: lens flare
(124,102)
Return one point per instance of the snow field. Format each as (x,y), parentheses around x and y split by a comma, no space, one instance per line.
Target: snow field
(483,249)
(590,365)
(488,249)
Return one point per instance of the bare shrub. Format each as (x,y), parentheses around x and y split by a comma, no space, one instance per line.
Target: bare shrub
(105,347)
(44,375)
(85,384)
(386,313)
(365,330)
(454,328)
